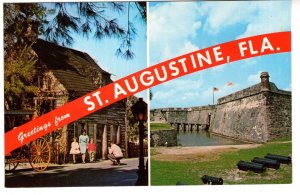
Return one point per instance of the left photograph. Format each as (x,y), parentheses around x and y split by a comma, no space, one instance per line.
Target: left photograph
(55,53)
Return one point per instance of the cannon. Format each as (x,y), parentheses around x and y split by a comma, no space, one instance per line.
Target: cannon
(210,180)
(279,158)
(251,166)
(269,163)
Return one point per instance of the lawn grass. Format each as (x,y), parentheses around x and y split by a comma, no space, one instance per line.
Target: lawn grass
(169,173)
(160,126)
(282,139)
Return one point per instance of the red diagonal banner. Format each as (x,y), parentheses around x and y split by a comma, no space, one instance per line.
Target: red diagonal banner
(186,64)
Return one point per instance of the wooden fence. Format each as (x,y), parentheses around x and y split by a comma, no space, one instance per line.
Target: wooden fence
(134,150)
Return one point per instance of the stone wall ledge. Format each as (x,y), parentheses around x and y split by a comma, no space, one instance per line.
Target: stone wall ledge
(236,139)
(163,138)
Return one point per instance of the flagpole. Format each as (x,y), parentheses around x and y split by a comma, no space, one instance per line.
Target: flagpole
(213,96)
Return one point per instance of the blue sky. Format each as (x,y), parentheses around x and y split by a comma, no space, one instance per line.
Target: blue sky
(177,28)
(103,51)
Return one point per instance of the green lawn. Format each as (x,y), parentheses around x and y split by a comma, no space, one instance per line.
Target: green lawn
(169,173)
(160,126)
(282,139)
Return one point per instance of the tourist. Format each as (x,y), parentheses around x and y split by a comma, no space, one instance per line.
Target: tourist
(74,149)
(92,150)
(115,153)
(83,142)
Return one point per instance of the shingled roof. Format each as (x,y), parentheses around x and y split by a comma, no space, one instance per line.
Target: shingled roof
(72,68)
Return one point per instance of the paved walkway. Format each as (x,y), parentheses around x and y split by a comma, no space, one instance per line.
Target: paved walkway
(90,174)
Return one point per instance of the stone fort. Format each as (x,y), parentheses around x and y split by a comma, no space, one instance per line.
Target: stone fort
(257,114)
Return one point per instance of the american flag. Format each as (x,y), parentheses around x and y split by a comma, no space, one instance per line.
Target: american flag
(215,89)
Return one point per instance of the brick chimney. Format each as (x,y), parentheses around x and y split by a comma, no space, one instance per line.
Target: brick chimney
(265,84)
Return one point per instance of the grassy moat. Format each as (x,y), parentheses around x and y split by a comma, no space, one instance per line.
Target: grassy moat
(160,126)
(190,167)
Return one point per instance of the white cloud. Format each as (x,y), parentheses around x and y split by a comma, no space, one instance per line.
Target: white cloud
(188,47)
(225,14)
(173,97)
(258,16)
(249,62)
(177,91)
(270,17)
(188,92)
(183,84)
(218,69)
(171,25)
(254,78)
(288,88)
(174,26)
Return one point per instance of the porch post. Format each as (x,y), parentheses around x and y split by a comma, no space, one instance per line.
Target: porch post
(119,135)
(104,142)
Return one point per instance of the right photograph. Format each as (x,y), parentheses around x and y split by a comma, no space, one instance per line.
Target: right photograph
(226,125)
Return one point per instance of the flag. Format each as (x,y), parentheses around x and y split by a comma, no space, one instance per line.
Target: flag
(229,83)
(215,89)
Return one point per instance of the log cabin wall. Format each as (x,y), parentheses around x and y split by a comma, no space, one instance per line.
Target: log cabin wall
(66,74)
(104,126)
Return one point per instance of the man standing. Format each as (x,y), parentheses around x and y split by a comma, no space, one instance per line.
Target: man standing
(115,153)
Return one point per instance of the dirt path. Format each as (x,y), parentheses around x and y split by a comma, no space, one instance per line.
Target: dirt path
(199,153)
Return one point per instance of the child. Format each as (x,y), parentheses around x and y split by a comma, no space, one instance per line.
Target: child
(74,149)
(92,150)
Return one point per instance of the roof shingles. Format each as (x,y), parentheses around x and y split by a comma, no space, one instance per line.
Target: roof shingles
(72,68)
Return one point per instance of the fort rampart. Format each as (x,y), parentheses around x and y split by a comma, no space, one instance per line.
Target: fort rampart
(258,114)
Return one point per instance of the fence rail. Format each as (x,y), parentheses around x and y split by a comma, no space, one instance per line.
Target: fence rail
(134,150)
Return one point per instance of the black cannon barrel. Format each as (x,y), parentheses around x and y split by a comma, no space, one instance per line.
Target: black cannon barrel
(251,166)
(210,180)
(269,163)
(279,158)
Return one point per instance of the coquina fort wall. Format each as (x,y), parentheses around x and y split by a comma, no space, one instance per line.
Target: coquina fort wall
(258,114)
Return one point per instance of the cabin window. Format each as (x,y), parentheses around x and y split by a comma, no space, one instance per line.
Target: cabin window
(91,130)
(115,134)
(80,127)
